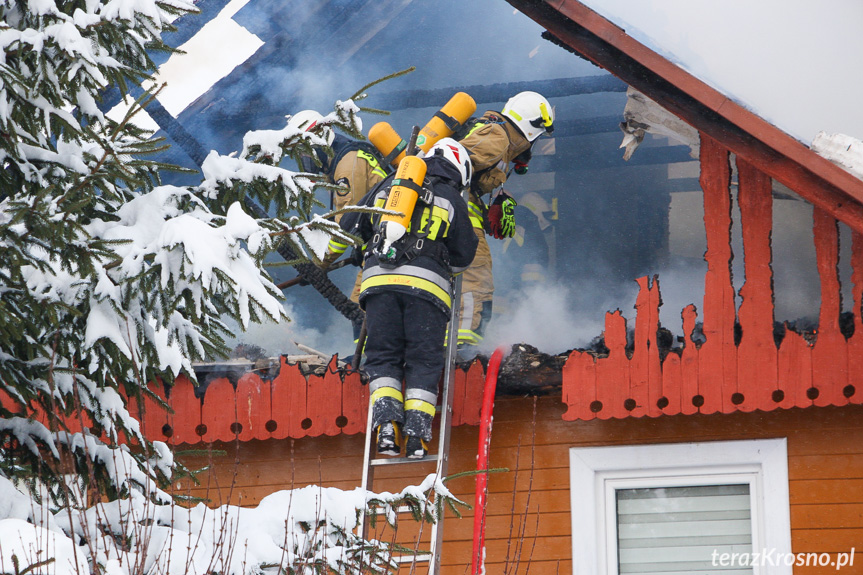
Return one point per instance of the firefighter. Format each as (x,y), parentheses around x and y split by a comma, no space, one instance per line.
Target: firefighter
(498,143)
(406,293)
(355,166)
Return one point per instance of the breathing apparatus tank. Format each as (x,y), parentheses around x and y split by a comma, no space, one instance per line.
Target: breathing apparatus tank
(404,192)
(388,142)
(446,120)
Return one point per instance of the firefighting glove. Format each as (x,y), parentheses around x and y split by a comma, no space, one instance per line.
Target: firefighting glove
(501,216)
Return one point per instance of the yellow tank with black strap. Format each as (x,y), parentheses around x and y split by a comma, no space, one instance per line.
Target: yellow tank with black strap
(446,120)
(388,142)
(406,188)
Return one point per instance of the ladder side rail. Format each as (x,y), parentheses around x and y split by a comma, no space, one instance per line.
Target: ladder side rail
(367,478)
(368,470)
(448,393)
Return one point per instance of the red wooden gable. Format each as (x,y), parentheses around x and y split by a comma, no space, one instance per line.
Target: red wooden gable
(720,375)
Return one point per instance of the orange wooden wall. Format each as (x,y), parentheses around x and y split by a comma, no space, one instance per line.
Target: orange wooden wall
(825,448)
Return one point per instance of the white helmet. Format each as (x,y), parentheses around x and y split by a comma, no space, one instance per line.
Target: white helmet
(531,113)
(307,120)
(455,154)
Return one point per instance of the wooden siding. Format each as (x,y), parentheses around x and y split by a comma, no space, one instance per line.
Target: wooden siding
(529,506)
(739,367)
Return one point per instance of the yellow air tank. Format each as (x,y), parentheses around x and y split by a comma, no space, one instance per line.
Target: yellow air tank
(388,142)
(447,120)
(402,198)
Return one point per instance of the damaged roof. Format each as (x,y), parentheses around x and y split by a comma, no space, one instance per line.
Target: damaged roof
(577,26)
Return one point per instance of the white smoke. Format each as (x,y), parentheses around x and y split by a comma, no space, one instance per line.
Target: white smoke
(552,317)
(329,336)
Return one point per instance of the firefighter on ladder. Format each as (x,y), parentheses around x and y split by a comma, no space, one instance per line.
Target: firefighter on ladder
(407,292)
(495,141)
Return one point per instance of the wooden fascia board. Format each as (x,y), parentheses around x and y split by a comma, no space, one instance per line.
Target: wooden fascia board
(776,153)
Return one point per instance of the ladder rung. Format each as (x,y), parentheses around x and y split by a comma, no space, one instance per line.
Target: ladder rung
(398,460)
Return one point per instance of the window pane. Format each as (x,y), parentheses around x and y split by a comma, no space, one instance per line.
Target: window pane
(683,530)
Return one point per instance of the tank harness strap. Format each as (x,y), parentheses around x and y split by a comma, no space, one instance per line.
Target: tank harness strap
(400,147)
(426,196)
(408,183)
(452,123)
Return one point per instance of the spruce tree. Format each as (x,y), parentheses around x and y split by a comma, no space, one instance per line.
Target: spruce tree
(109,279)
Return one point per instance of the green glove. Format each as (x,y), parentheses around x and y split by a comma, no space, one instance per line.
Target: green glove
(501,216)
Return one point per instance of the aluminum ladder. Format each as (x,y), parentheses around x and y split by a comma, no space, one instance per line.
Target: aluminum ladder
(442,455)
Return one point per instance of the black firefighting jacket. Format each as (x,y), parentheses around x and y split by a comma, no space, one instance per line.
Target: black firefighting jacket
(444,245)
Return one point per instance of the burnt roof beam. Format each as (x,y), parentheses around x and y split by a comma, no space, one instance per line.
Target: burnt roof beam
(500,92)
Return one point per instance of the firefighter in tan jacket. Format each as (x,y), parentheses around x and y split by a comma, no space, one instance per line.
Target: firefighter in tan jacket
(355,166)
(495,141)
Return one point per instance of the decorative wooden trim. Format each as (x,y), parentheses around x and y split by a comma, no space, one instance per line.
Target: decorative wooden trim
(290,405)
(722,375)
(757,356)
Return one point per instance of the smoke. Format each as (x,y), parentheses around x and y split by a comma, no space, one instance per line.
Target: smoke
(328,335)
(550,318)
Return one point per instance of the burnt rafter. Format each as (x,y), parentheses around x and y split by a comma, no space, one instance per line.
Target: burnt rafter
(500,92)
(784,159)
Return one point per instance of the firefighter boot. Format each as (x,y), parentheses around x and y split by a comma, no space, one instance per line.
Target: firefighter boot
(416,447)
(418,430)
(389,442)
(388,413)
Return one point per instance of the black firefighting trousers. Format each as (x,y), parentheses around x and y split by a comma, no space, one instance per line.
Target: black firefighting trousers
(405,342)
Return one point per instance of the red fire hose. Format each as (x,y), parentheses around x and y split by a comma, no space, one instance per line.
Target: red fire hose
(478,557)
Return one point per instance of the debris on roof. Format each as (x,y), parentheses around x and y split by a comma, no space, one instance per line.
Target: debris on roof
(642,115)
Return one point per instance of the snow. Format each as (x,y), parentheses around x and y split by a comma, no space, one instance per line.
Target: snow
(31,544)
(220,46)
(16,505)
(292,527)
(791,62)
(220,169)
(842,150)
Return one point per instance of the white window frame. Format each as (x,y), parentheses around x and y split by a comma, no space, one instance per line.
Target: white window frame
(597,472)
